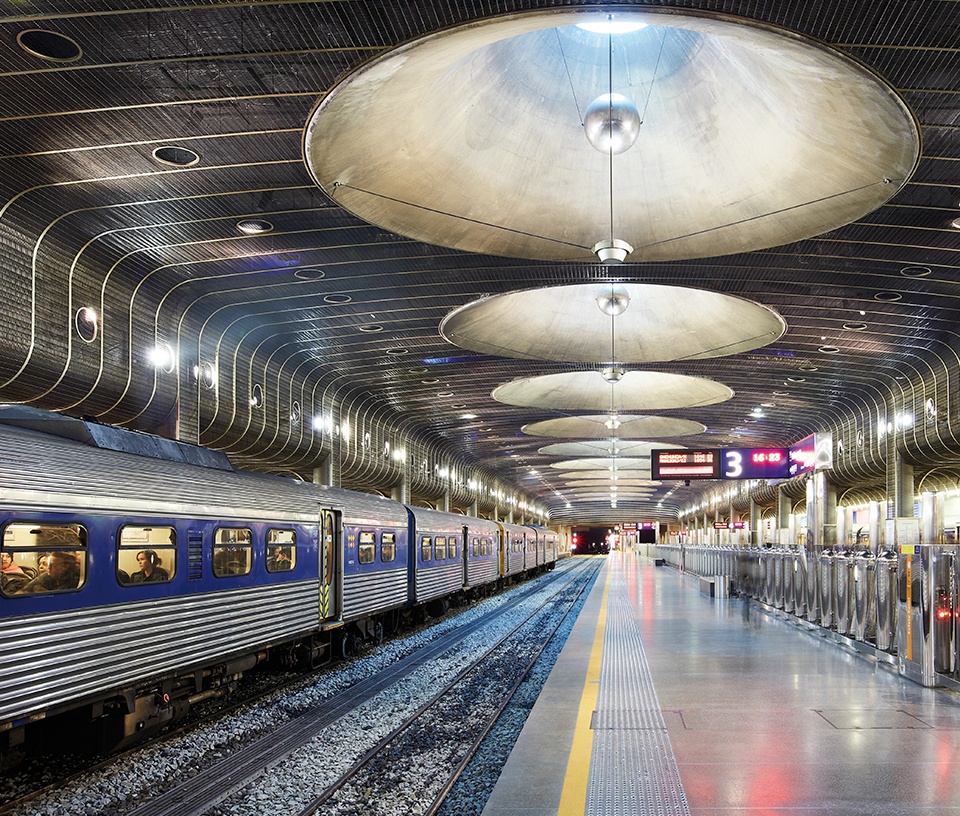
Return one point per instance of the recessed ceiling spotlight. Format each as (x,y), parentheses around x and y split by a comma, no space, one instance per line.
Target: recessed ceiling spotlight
(254,226)
(49,45)
(828,350)
(470,416)
(445,394)
(796,379)
(397,352)
(429,382)
(955,223)
(915,271)
(312,273)
(337,300)
(887,297)
(855,326)
(371,328)
(175,156)
(807,367)
(85,322)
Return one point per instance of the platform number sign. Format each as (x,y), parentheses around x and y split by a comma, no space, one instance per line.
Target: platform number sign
(755,463)
(725,463)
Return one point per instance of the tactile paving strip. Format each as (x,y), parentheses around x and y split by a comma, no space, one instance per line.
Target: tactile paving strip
(633,771)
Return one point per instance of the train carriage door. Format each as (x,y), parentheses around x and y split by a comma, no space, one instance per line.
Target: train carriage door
(331,576)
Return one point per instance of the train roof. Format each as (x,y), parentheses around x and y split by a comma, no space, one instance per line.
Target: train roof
(40,469)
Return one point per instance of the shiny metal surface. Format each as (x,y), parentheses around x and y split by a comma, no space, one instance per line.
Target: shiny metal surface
(761,136)
(662,323)
(310,347)
(635,391)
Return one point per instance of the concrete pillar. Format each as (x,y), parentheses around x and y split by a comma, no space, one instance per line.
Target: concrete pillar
(756,534)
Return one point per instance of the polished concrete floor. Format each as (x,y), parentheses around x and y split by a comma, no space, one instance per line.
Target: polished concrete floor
(755,714)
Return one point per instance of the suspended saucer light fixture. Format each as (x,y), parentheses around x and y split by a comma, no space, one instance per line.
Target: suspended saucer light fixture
(676,133)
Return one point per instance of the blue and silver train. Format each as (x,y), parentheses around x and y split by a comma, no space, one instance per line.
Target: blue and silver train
(134,586)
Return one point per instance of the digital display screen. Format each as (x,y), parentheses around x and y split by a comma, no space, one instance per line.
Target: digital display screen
(803,455)
(726,463)
(756,463)
(685,464)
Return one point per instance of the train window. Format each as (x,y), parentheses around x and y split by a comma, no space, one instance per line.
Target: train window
(440,548)
(485,546)
(146,554)
(42,558)
(473,546)
(367,552)
(232,551)
(452,547)
(281,550)
(388,547)
(426,548)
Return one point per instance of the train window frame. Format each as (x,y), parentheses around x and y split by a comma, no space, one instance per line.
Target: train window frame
(163,560)
(287,549)
(388,544)
(231,548)
(16,589)
(426,548)
(440,548)
(452,547)
(366,547)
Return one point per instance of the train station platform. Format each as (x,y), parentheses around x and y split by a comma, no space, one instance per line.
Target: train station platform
(667,701)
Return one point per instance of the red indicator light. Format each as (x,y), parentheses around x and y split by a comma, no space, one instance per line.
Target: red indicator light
(944,613)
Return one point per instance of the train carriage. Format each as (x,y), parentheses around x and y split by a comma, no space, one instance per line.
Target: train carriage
(547,544)
(147,570)
(481,551)
(512,548)
(436,565)
(374,532)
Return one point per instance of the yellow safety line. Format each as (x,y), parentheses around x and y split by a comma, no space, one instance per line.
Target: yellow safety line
(573,798)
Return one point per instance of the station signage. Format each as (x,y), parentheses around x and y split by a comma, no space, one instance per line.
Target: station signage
(720,463)
(803,455)
(726,525)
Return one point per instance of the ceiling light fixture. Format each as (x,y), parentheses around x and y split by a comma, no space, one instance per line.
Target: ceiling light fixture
(611,124)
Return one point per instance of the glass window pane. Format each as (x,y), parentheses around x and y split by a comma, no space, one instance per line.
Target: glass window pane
(388,547)
(440,548)
(426,548)
(44,557)
(232,551)
(146,554)
(281,550)
(367,552)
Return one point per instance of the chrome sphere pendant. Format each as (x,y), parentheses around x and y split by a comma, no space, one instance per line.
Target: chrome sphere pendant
(612,123)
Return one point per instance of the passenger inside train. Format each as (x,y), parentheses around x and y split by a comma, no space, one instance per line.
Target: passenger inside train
(150,570)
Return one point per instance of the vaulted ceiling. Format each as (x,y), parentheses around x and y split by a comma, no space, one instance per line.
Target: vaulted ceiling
(195,180)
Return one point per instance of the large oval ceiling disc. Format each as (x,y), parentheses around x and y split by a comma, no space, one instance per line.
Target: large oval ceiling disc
(730,135)
(630,427)
(659,324)
(603,447)
(604,474)
(623,463)
(634,391)
(641,484)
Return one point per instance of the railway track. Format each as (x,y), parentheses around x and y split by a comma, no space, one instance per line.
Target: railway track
(471,701)
(225,773)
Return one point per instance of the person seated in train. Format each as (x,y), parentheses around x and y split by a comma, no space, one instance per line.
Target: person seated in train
(43,563)
(278,560)
(63,572)
(150,570)
(7,567)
